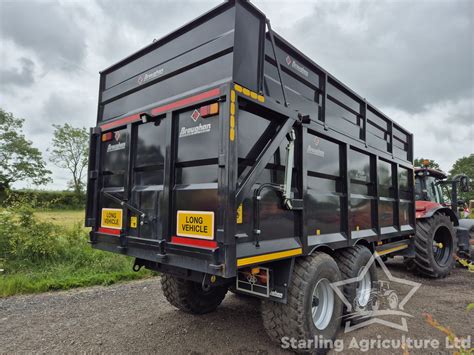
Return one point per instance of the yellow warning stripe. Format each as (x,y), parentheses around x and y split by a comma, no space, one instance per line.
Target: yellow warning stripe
(232,116)
(246,92)
(391,250)
(249,93)
(266,257)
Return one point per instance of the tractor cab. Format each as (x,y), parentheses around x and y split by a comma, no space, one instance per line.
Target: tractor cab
(434,190)
(440,232)
(428,185)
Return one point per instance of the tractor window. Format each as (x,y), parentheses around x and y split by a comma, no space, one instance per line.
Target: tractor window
(433,190)
(418,190)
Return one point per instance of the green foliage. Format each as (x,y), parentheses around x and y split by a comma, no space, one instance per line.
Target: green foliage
(71,151)
(38,256)
(465,165)
(64,200)
(19,160)
(23,237)
(418,162)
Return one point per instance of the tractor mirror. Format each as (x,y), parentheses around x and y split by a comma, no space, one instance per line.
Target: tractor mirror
(464,183)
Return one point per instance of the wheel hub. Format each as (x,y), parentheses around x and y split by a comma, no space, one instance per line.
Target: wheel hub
(322,306)
(364,289)
(442,246)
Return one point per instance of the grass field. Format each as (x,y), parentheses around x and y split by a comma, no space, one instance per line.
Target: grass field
(66,219)
(50,251)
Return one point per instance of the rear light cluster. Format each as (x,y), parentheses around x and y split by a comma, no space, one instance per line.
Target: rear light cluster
(107,136)
(209,110)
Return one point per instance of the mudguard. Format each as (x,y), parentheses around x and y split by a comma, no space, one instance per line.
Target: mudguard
(426,209)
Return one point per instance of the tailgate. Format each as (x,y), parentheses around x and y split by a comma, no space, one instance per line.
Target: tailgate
(157,184)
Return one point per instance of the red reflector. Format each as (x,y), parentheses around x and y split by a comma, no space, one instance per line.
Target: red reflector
(157,110)
(204,111)
(109,231)
(186,101)
(211,244)
(107,136)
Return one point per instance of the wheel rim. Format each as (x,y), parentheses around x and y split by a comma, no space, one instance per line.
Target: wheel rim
(322,304)
(364,288)
(442,246)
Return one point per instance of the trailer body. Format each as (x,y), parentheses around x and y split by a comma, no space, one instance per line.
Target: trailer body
(221,147)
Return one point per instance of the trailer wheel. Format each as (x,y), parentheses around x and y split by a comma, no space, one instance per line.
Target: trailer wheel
(313,309)
(435,245)
(361,295)
(188,296)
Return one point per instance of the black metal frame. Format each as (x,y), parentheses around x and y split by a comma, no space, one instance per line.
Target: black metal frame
(232,188)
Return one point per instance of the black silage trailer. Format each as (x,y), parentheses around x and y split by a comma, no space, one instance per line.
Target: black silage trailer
(224,157)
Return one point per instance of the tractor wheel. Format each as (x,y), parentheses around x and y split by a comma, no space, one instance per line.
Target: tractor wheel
(361,295)
(435,246)
(188,296)
(410,264)
(313,310)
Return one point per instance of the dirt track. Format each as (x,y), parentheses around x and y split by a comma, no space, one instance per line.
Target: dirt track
(134,317)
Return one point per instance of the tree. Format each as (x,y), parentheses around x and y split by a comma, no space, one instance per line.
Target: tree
(465,165)
(70,150)
(19,160)
(418,162)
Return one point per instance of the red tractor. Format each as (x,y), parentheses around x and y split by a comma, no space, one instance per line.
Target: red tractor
(439,235)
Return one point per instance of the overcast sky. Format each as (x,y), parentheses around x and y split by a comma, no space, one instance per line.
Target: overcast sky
(414,60)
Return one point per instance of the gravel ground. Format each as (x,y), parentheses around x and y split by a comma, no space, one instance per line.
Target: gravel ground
(135,318)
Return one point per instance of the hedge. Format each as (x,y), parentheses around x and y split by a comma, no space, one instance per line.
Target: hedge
(44,199)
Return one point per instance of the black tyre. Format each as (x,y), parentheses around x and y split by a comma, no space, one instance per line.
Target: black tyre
(361,295)
(410,264)
(313,310)
(435,246)
(189,296)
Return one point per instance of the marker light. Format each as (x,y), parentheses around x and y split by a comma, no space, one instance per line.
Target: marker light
(107,136)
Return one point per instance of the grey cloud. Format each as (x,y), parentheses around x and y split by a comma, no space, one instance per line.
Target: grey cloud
(48,29)
(401,54)
(62,107)
(153,19)
(155,16)
(465,118)
(23,77)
